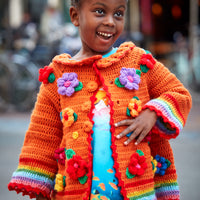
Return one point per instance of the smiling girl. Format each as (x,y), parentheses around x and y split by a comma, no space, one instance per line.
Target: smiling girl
(103,118)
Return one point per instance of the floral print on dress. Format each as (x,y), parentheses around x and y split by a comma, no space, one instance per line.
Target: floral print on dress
(129,78)
(69,84)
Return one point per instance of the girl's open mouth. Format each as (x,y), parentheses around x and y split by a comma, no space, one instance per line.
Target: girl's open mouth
(104,35)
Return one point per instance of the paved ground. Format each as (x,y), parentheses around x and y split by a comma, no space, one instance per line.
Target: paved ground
(186,151)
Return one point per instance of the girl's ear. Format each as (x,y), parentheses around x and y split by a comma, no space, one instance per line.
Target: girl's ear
(74,15)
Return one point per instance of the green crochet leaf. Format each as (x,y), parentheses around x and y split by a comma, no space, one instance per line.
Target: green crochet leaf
(75,117)
(153,166)
(79,87)
(168,162)
(64,183)
(83,179)
(117,82)
(51,78)
(144,68)
(128,174)
(69,153)
(138,72)
(140,152)
(128,112)
(135,97)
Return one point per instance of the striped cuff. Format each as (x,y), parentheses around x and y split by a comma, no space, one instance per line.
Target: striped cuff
(31,182)
(170,121)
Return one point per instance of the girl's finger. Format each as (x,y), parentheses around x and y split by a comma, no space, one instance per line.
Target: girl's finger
(142,136)
(126,131)
(125,122)
(133,136)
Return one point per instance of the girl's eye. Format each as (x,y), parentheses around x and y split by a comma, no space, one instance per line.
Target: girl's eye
(119,14)
(99,11)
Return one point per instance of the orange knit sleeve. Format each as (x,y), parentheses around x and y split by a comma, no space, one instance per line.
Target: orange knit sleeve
(37,166)
(169,99)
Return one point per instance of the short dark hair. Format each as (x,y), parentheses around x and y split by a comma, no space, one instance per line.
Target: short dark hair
(76,3)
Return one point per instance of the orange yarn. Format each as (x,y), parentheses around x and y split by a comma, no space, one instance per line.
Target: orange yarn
(47,133)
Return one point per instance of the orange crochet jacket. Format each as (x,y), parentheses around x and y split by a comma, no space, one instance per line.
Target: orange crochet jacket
(56,158)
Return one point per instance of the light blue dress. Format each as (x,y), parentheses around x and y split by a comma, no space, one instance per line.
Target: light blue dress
(104,182)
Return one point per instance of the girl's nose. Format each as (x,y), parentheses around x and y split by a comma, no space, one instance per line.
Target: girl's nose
(109,20)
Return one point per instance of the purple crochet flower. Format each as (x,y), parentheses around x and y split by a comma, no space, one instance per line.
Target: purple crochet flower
(67,83)
(129,78)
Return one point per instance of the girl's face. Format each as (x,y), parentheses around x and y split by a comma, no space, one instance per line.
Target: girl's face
(100,23)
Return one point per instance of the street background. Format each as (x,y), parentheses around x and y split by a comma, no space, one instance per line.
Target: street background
(32,32)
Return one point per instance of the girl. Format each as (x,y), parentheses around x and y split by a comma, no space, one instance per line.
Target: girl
(102,120)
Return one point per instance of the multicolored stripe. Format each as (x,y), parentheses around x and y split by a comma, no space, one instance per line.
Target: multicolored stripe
(37,179)
(171,121)
(169,190)
(143,195)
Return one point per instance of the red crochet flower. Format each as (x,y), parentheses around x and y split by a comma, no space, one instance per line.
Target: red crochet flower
(137,165)
(77,167)
(60,156)
(148,60)
(44,74)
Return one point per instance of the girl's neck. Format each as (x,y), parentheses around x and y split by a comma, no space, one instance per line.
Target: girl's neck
(83,55)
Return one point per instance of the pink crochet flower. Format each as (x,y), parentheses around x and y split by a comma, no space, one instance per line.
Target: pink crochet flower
(77,167)
(129,78)
(60,156)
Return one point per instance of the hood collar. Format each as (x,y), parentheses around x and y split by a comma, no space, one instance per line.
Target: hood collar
(122,51)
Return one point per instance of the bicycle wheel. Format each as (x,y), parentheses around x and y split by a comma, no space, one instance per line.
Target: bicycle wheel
(26,83)
(6,82)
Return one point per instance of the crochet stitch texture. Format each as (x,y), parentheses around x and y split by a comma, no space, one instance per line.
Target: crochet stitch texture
(158,90)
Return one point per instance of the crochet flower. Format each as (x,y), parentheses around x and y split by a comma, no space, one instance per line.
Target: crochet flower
(68,84)
(75,135)
(129,78)
(68,117)
(59,183)
(154,164)
(134,107)
(86,106)
(162,165)
(147,62)
(46,75)
(137,165)
(87,126)
(59,155)
(92,86)
(77,167)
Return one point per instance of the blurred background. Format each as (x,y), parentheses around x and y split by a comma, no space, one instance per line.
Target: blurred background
(32,32)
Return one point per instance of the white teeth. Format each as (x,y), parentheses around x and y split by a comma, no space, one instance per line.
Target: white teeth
(105,34)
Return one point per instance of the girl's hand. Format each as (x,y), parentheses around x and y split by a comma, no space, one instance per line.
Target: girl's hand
(139,126)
